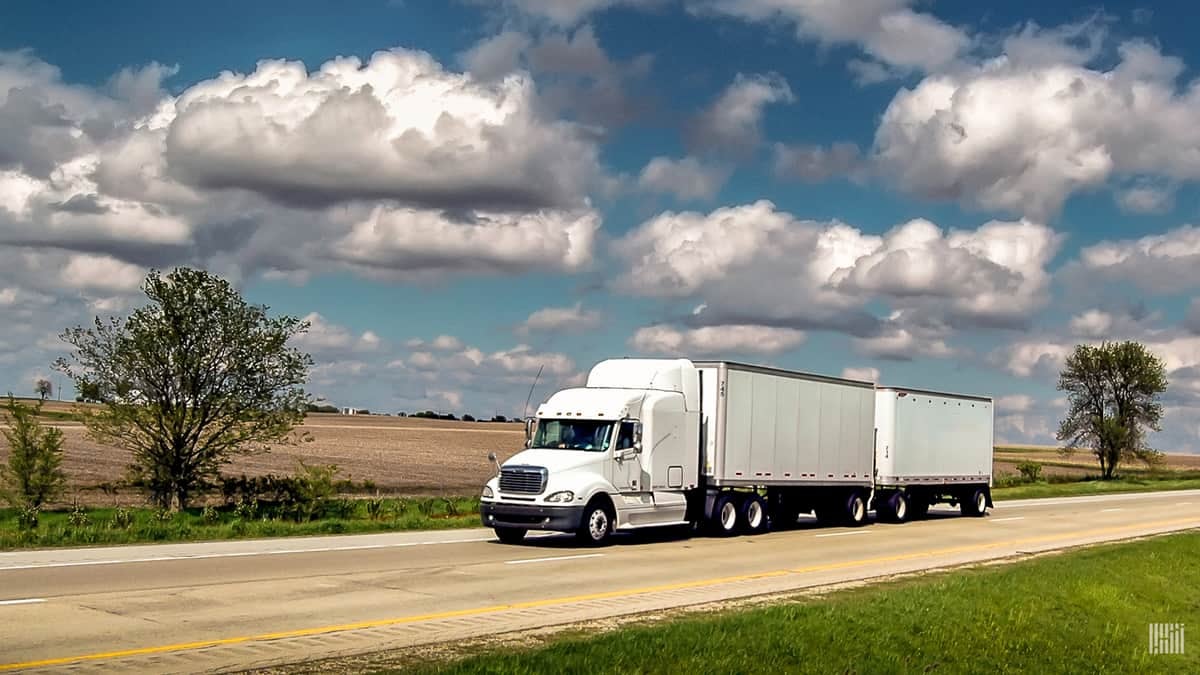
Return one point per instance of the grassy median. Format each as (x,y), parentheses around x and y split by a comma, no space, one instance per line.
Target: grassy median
(82,527)
(1182,480)
(1082,611)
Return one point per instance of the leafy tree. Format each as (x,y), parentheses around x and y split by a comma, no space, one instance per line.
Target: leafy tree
(44,389)
(1112,391)
(89,391)
(190,380)
(34,473)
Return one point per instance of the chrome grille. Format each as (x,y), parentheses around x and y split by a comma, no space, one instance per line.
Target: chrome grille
(526,480)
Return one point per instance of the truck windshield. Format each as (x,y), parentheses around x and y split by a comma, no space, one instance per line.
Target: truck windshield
(591,435)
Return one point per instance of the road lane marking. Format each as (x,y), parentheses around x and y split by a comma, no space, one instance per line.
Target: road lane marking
(24,601)
(1005,520)
(557,557)
(1190,523)
(1110,510)
(244,554)
(843,534)
(1182,503)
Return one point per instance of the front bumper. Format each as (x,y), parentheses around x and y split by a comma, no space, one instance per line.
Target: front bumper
(531,516)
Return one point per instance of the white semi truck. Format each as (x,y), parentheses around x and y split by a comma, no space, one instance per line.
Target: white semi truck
(736,447)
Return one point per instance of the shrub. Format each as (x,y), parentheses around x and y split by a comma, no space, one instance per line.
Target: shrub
(468,418)
(34,473)
(245,510)
(1007,480)
(210,516)
(78,517)
(27,517)
(314,489)
(161,516)
(375,508)
(1030,471)
(122,518)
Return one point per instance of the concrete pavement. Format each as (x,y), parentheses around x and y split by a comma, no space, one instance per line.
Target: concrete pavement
(229,605)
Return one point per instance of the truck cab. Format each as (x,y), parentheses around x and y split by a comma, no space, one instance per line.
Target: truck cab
(619,453)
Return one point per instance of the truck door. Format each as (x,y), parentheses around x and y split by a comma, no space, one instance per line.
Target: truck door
(626,464)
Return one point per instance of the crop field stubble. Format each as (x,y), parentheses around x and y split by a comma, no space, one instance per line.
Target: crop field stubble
(411,456)
(399,455)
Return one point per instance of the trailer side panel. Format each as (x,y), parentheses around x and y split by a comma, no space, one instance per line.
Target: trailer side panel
(784,428)
(932,438)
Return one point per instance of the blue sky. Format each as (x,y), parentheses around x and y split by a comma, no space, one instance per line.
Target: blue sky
(937,194)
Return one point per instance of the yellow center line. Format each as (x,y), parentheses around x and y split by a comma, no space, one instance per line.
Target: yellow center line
(531,604)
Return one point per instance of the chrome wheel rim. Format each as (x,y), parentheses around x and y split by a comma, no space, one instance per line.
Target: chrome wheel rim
(856,509)
(728,515)
(901,508)
(598,524)
(754,515)
(980,503)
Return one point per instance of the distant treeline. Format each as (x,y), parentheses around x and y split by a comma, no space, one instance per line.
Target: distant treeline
(424,414)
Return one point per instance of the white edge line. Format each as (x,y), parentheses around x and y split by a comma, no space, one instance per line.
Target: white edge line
(843,534)
(1002,520)
(239,554)
(1182,503)
(560,557)
(1110,510)
(25,601)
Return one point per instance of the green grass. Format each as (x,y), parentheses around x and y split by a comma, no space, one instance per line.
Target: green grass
(1084,611)
(1099,487)
(102,526)
(393,514)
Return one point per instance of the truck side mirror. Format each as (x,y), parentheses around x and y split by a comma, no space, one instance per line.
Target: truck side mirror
(530,426)
(637,437)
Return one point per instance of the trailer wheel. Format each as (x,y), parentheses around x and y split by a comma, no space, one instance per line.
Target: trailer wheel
(597,524)
(753,514)
(897,507)
(510,535)
(725,519)
(856,509)
(975,503)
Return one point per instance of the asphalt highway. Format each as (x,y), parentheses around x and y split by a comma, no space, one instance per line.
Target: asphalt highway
(244,604)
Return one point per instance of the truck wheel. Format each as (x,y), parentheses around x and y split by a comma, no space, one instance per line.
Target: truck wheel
(855,512)
(510,535)
(597,524)
(725,518)
(974,503)
(897,507)
(753,514)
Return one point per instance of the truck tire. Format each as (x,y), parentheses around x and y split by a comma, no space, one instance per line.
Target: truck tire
(898,508)
(725,514)
(597,525)
(510,535)
(855,509)
(974,503)
(753,514)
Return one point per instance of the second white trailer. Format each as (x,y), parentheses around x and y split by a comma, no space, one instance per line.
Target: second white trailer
(931,447)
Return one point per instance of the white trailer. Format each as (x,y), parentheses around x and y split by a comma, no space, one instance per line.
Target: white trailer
(804,441)
(931,447)
(735,447)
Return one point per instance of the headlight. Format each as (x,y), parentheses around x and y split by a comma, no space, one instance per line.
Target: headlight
(487,492)
(561,496)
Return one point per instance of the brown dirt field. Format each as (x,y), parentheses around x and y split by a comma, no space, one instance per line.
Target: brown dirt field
(400,455)
(405,455)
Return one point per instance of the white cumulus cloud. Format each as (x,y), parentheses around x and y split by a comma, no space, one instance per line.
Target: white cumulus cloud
(716,340)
